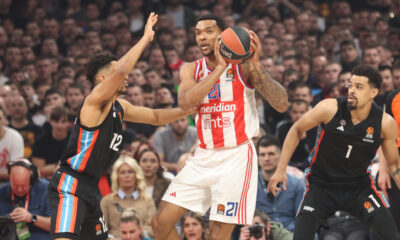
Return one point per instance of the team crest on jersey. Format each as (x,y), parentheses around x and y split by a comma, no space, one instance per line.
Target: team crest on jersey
(221,209)
(369,135)
(230,74)
(98,229)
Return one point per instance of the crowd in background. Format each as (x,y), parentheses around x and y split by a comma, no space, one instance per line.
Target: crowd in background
(309,46)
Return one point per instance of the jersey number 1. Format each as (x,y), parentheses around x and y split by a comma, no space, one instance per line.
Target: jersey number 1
(349,147)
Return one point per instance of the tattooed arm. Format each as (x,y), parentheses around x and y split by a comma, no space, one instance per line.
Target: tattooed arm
(270,89)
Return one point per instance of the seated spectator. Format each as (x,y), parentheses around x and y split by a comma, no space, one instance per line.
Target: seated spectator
(174,140)
(128,191)
(130,226)
(24,199)
(49,146)
(296,110)
(283,207)
(11,146)
(156,183)
(18,110)
(194,227)
(269,230)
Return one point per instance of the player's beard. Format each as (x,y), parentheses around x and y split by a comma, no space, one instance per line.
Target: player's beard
(353,105)
(122,90)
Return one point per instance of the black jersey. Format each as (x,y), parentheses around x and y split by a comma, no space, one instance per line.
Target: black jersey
(91,151)
(343,151)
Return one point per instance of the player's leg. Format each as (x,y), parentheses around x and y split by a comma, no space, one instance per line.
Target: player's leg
(306,226)
(164,220)
(372,209)
(220,230)
(94,225)
(68,210)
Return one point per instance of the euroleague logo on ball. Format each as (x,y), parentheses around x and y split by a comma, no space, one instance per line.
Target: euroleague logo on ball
(235,45)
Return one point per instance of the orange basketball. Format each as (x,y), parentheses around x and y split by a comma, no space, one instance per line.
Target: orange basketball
(235,45)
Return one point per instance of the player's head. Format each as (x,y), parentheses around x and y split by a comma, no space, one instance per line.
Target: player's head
(130,225)
(364,85)
(98,69)
(269,151)
(208,28)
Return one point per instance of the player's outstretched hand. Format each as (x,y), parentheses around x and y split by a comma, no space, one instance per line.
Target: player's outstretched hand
(221,61)
(256,45)
(275,180)
(148,29)
(384,182)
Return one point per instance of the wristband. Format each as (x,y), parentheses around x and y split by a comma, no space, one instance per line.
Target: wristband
(397,171)
(34,218)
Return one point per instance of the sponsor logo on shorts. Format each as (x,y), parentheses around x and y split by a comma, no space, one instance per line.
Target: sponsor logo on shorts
(221,209)
(98,229)
(368,206)
(308,208)
(173,194)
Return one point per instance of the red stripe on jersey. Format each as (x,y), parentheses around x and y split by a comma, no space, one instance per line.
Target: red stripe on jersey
(60,204)
(74,205)
(317,147)
(89,151)
(78,147)
(198,124)
(239,120)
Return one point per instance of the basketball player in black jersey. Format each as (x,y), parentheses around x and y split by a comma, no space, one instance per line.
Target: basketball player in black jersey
(95,141)
(350,133)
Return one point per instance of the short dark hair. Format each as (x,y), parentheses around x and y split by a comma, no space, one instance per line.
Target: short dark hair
(220,22)
(347,42)
(374,78)
(58,112)
(53,91)
(97,62)
(262,215)
(384,67)
(77,86)
(268,140)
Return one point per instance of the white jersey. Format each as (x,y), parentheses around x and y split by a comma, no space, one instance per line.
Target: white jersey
(227,116)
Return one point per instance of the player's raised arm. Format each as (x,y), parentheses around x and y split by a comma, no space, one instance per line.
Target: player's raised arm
(271,90)
(152,116)
(323,112)
(389,148)
(118,70)
(191,93)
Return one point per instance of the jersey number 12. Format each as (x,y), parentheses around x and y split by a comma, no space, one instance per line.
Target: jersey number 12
(116,141)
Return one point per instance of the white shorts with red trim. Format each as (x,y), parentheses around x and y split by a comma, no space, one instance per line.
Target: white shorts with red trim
(223,179)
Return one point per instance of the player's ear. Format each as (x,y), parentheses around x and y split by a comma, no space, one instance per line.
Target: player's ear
(374,92)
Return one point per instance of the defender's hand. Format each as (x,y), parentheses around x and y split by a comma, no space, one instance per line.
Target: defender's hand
(278,177)
(148,29)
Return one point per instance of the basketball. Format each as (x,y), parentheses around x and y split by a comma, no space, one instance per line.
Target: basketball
(235,45)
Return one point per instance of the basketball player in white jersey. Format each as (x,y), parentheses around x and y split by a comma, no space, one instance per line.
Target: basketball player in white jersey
(222,173)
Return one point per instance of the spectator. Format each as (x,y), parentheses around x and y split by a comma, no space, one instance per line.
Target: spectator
(128,191)
(24,198)
(302,91)
(164,98)
(283,207)
(49,146)
(134,94)
(153,77)
(348,55)
(371,57)
(18,110)
(180,15)
(156,183)
(270,230)
(11,146)
(194,227)
(75,96)
(174,140)
(130,226)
